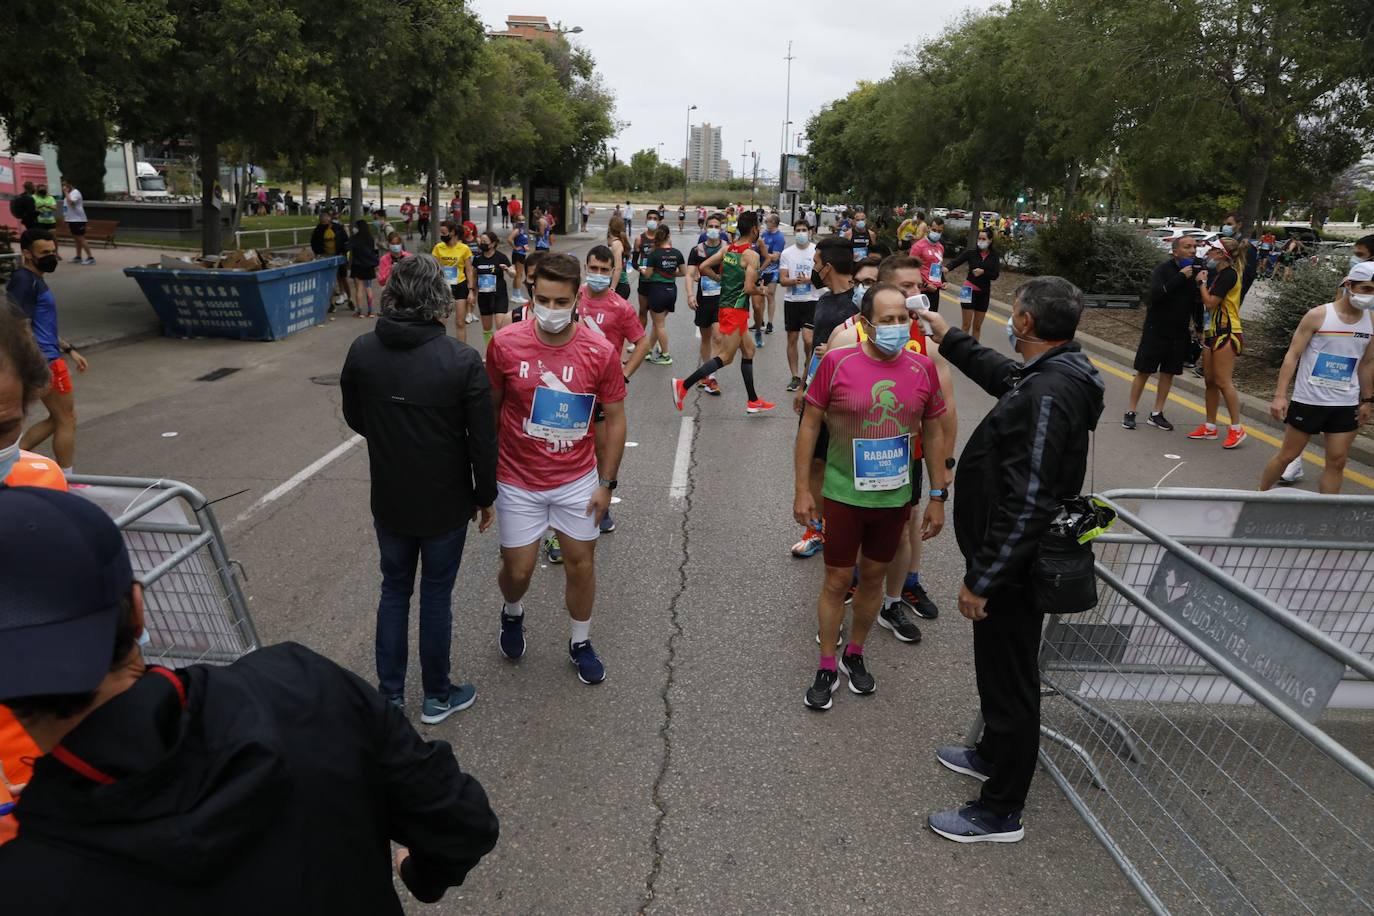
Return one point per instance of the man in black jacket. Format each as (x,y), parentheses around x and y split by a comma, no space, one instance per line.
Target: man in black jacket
(1173,302)
(423,402)
(329,239)
(1028,454)
(274,784)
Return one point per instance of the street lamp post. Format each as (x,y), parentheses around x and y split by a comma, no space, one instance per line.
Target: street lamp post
(687,152)
(744,158)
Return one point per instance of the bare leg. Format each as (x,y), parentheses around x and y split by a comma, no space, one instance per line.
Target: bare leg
(868,598)
(1337,450)
(1224,361)
(1294,441)
(580,567)
(977,329)
(1137,389)
(60,424)
(792,339)
(830,605)
(517,566)
(660,320)
(1166,384)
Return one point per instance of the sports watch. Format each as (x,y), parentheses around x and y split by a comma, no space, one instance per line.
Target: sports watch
(608,484)
(939,493)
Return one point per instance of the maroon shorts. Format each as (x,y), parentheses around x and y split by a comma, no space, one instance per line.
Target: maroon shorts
(851,530)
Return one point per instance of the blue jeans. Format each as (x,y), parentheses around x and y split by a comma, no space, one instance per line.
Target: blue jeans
(440,555)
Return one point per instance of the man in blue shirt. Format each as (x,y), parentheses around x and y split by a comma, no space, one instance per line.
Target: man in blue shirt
(774,241)
(29,295)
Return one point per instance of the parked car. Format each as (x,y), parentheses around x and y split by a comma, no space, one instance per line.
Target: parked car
(1163,236)
(1305,234)
(941,212)
(956,214)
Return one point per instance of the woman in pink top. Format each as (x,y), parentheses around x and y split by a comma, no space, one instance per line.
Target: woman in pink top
(395,251)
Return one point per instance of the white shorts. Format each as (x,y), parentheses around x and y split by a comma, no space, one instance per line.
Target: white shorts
(523,515)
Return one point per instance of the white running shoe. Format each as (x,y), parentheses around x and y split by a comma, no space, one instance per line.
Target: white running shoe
(1293,473)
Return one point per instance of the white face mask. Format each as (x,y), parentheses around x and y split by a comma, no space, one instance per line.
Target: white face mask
(984,244)
(552,321)
(9,457)
(1362,301)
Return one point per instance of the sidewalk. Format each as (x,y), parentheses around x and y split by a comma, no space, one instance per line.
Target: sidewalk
(96,303)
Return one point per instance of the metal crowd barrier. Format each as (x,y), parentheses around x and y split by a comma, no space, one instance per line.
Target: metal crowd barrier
(1211,718)
(195,609)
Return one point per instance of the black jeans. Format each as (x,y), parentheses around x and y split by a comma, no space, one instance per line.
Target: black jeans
(1006,650)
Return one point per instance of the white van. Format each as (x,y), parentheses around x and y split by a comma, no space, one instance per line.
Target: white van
(151,185)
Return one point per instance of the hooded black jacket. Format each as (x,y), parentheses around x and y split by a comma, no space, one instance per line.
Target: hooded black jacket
(1029,453)
(423,401)
(275,788)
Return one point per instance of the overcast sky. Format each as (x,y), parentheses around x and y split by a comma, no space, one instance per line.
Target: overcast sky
(655,78)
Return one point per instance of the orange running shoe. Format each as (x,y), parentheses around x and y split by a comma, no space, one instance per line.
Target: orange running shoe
(759,405)
(1202,432)
(1235,436)
(679,393)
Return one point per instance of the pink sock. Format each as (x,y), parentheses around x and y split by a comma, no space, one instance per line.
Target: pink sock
(852,649)
(828,663)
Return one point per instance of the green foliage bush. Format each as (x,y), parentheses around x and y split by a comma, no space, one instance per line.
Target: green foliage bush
(1113,260)
(1287,302)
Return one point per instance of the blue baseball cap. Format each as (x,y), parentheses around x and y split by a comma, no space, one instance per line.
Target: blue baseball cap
(64,573)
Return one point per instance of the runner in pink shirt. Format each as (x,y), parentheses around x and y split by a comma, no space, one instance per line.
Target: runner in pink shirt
(549,377)
(930,251)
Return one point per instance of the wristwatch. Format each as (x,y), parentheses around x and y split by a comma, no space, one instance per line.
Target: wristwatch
(1368,400)
(608,484)
(939,493)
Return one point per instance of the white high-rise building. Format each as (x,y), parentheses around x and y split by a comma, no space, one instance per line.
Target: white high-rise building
(705,161)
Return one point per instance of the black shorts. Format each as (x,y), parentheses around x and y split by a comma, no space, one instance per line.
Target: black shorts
(78,228)
(492,304)
(662,296)
(1158,353)
(517,257)
(796,315)
(362,273)
(622,289)
(708,312)
(979,302)
(460,291)
(1321,418)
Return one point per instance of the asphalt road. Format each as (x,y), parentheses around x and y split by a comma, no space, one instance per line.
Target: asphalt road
(693,780)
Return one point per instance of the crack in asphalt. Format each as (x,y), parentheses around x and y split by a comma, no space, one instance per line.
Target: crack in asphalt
(670,672)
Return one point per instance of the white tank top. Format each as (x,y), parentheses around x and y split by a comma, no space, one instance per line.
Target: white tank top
(1326,371)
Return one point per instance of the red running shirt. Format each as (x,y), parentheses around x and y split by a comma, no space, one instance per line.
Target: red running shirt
(612,315)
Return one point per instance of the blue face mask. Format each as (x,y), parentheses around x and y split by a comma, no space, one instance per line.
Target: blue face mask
(713,234)
(1211,263)
(1353,261)
(859,290)
(890,338)
(9,457)
(933,236)
(1011,334)
(397,249)
(1228,231)
(860,223)
(598,282)
(1185,262)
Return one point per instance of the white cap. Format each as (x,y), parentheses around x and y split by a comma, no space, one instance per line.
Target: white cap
(1362,272)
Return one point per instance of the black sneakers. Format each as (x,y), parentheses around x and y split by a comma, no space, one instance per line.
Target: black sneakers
(1158,422)
(920,602)
(819,696)
(1128,421)
(894,618)
(860,681)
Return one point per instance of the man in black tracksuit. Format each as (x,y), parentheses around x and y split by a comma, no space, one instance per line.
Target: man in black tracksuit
(273,785)
(1172,303)
(1028,454)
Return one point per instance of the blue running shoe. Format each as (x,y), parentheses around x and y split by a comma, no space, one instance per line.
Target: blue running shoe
(512,636)
(975,824)
(437,709)
(607,523)
(399,702)
(589,667)
(964,760)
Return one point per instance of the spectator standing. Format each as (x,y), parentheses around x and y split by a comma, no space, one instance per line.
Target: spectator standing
(515,208)
(46,207)
(423,402)
(984,266)
(396,251)
(1234,227)
(1173,303)
(408,215)
(362,266)
(330,239)
(455,207)
(1225,338)
(1028,455)
(75,215)
(23,208)
(504,206)
(629,215)
(423,213)
(202,790)
(29,295)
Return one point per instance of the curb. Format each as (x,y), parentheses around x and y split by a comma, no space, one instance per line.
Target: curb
(1254,410)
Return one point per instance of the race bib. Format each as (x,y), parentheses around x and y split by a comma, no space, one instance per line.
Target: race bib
(709,287)
(966,293)
(802,289)
(882,464)
(937,272)
(1331,371)
(486,283)
(559,416)
(860,253)
(451,275)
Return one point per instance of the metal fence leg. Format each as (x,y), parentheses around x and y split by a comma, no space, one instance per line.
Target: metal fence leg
(1106,718)
(1078,750)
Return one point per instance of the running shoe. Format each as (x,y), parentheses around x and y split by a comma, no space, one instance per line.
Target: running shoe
(849,592)
(1202,432)
(811,543)
(839,639)
(794,384)
(1128,421)
(712,387)
(894,618)
(768,328)
(1294,472)
(471,319)
(512,639)
(679,393)
(759,405)
(659,359)
(964,760)
(437,709)
(588,663)
(758,338)
(553,548)
(399,702)
(1235,436)
(1158,422)
(607,523)
(860,681)
(917,599)
(820,693)
(975,824)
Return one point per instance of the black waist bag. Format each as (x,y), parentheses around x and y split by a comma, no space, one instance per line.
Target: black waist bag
(1063,580)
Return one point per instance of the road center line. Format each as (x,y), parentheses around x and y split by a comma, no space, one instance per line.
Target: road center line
(298,478)
(683,460)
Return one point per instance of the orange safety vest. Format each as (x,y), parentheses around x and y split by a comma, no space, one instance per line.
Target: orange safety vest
(17,750)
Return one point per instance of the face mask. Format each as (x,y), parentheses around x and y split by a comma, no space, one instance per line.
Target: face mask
(859,290)
(816,279)
(1228,231)
(859,224)
(803,239)
(598,282)
(1354,261)
(1365,301)
(933,236)
(984,245)
(1185,262)
(445,238)
(1211,263)
(890,338)
(47,264)
(9,457)
(651,225)
(396,249)
(1011,334)
(552,321)
(713,234)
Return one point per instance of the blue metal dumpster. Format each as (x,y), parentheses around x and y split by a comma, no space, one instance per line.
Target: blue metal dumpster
(240,304)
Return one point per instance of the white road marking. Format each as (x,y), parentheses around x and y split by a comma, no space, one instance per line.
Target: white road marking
(682,462)
(297,479)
